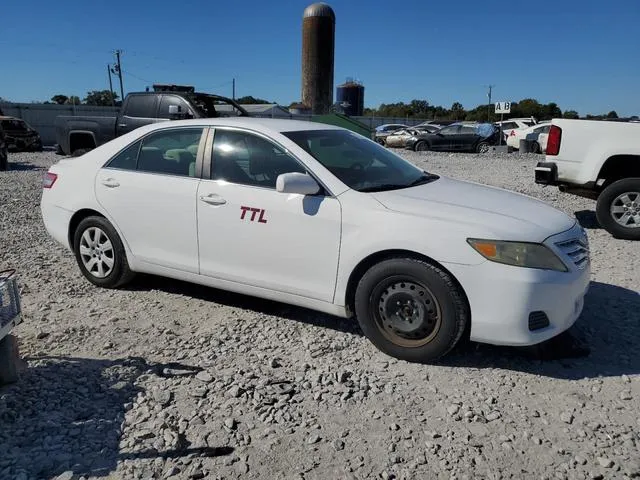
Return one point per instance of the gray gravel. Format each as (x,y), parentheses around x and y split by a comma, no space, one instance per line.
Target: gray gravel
(171,380)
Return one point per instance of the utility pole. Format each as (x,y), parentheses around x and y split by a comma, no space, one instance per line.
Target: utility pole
(233,97)
(489,106)
(113,104)
(119,68)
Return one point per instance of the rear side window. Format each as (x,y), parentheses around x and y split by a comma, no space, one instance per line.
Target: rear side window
(467,130)
(142,106)
(126,159)
(169,152)
(509,125)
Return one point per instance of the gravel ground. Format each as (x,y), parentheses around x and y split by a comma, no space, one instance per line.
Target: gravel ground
(171,380)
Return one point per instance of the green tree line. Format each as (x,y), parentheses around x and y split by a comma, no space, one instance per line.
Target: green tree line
(527,107)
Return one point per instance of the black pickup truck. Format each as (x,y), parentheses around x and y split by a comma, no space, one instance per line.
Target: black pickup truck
(78,134)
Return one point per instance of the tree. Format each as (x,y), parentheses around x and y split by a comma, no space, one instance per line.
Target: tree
(612,114)
(457,111)
(100,98)
(74,100)
(249,100)
(59,99)
(570,114)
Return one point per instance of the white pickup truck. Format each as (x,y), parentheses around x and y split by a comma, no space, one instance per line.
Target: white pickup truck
(598,160)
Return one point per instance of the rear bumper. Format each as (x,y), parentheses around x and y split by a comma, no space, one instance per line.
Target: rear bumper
(546,173)
(56,221)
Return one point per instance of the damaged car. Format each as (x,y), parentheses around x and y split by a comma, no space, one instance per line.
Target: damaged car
(20,136)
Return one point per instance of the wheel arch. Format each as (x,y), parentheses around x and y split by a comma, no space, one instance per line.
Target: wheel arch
(617,167)
(81,139)
(75,221)
(366,263)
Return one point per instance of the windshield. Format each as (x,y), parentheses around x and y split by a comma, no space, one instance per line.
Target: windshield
(13,125)
(359,162)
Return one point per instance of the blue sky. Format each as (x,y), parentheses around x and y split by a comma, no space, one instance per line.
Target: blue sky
(582,54)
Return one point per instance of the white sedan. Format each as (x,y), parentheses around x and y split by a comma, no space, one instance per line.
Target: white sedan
(318,216)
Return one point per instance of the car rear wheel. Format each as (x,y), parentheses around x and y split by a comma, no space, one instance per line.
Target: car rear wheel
(483,147)
(100,254)
(422,146)
(618,209)
(411,309)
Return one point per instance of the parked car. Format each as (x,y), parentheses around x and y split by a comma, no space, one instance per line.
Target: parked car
(319,216)
(399,137)
(79,134)
(512,124)
(437,123)
(457,137)
(4,156)
(20,136)
(382,131)
(539,144)
(599,160)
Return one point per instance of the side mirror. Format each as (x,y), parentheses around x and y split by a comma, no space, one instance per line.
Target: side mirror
(300,183)
(174,110)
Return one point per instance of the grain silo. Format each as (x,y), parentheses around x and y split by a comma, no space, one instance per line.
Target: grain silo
(318,42)
(351,96)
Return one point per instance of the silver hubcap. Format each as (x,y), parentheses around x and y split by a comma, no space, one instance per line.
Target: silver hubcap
(96,252)
(625,209)
(484,148)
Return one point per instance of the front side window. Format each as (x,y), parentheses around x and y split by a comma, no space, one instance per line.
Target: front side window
(357,161)
(163,111)
(449,130)
(247,159)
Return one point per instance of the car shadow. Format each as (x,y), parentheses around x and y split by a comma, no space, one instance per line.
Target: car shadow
(246,302)
(23,166)
(597,345)
(74,409)
(588,219)
(602,342)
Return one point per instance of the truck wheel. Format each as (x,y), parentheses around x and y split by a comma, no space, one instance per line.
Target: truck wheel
(411,309)
(79,151)
(618,209)
(100,253)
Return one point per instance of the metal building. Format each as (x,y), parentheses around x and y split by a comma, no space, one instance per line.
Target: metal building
(351,96)
(318,45)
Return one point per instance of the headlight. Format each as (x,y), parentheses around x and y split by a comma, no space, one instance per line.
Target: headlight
(519,254)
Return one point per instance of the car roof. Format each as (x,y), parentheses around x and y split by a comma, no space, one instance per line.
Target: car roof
(272,125)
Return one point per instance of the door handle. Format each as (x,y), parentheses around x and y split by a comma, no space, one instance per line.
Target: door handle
(213,199)
(122,125)
(110,182)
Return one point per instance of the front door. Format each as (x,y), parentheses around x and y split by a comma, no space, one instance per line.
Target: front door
(138,110)
(149,192)
(251,234)
(443,138)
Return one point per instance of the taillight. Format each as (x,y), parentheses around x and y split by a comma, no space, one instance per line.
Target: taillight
(49,179)
(553,140)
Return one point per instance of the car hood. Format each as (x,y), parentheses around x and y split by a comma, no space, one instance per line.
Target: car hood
(485,210)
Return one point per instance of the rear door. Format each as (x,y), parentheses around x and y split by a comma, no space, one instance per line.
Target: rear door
(466,138)
(148,191)
(138,110)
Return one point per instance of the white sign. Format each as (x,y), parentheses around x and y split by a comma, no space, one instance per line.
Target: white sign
(503,107)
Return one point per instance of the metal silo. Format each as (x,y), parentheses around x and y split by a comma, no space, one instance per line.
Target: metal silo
(351,96)
(318,42)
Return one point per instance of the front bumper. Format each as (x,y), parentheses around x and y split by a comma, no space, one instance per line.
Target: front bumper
(546,173)
(522,306)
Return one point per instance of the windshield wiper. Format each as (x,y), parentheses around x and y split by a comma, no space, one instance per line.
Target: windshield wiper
(421,180)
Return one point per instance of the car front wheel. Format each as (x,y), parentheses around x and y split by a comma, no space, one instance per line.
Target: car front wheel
(618,209)
(100,253)
(411,309)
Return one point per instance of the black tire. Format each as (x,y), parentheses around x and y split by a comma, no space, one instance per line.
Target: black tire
(80,151)
(4,161)
(610,199)
(120,274)
(386,284)
(421,146)
(482,147)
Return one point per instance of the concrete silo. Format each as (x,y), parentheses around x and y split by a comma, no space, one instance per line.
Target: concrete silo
(318,44)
